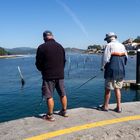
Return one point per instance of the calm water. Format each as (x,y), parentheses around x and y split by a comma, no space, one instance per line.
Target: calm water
(17,102)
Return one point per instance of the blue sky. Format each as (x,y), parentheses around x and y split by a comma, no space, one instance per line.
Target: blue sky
(74,23)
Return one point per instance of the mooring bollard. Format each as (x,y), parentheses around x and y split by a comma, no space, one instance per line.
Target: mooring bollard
(138,69)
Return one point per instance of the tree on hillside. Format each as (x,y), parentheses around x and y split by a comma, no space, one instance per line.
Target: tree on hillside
(2,51)
(97,47)
(137,40)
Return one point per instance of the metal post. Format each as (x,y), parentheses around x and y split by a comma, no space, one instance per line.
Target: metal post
(138,69)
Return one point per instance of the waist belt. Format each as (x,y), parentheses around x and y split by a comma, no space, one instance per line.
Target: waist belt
(117,54)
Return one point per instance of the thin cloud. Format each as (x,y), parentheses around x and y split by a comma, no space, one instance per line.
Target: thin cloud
(73,16)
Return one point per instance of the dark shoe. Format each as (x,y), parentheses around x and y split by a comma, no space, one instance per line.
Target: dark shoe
(102,108)
(48,118)
(63,113)
(118,110)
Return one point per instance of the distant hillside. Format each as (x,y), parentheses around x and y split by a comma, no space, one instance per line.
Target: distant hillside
(22,50)
(28,50)
(74,50)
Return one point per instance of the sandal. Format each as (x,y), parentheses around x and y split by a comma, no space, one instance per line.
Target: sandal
(102,108)
(63,113)
(118,110)
(48,118)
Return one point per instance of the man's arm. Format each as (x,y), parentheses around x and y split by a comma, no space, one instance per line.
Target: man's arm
(39,60)
(126,56)
(64,56)
(106,57)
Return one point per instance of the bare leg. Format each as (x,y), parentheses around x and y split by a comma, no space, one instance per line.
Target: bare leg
(106,98)
(50,103)
(118,98)
(64,102)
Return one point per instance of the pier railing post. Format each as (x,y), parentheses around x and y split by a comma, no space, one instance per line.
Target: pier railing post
(138,69)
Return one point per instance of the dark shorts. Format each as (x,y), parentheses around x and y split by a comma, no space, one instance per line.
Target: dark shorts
(49,86)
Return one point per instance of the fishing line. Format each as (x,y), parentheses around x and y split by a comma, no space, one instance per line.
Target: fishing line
(40,104)
(42,99)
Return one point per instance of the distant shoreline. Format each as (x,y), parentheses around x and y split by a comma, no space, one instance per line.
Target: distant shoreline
(10,56)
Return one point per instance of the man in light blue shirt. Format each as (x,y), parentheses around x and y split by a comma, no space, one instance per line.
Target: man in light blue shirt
(113,64)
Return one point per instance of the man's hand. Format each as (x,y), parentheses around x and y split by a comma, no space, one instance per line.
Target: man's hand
(102,69)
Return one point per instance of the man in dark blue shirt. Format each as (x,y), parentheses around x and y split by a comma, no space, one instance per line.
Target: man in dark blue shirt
(50,60)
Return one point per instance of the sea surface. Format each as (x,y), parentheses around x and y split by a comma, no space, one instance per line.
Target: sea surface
(18,102)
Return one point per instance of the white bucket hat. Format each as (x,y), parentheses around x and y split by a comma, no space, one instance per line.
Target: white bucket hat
(109,35)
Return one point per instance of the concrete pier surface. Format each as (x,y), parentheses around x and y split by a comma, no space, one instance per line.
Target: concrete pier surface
(82,124)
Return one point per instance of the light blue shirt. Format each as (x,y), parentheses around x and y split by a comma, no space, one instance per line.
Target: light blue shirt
(112,47)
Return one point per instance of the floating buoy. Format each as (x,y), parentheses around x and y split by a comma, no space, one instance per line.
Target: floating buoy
(21,76)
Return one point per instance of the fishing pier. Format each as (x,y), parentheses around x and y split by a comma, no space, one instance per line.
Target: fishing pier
(82,124)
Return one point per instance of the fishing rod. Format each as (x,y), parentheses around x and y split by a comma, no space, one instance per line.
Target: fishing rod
(21,77)
(88,80)
(42,99)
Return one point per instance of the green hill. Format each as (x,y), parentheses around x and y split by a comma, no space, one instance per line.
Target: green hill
(3,51)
